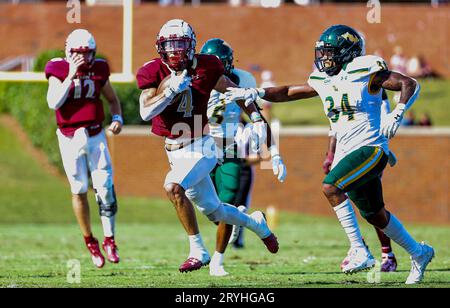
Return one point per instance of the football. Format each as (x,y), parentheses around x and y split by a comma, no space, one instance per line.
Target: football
(163,85)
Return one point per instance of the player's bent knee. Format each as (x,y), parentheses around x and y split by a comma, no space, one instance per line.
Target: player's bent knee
(217,215)
(330,190)
(378,218)
(174,189)
(106,200)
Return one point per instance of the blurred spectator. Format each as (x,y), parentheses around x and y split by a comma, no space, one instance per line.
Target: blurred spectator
(409,119)
(398,60)
(267,82)
(425,120)
(418,67)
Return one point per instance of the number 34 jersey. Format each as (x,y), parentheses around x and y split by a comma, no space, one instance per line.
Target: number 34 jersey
(83,107)
(354,111)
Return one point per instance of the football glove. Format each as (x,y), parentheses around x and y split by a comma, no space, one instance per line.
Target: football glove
(391,122)
(258,136)
(278,166)
(177,84)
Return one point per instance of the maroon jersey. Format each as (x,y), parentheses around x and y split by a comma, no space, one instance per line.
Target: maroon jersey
(83,107)
(192,105)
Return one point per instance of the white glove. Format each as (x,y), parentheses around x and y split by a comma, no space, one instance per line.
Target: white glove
(258,136)
(177,84)
(392,121)
(278,166)
(249,95)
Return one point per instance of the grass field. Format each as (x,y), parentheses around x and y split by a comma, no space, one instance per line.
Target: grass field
(38,237)
(433,99)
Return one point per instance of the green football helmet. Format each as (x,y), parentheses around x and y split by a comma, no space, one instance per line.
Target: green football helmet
(338,45)
(222,50)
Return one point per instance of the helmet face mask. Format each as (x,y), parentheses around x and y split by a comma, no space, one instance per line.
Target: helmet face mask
(175,52)
(175,44)
(337,46)
(325,59)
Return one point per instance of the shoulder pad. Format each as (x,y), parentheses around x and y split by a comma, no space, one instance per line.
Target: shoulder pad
(366,65)
(316,78)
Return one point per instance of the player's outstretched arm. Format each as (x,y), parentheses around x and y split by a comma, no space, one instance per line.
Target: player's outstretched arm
(394,81)
(114,107)
(273,94)
(288,93)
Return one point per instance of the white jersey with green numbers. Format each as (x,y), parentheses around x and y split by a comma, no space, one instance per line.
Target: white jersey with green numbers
(353,110)
(224,116)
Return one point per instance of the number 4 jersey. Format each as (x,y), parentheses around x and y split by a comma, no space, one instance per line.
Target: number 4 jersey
(354,111)
(83,107)
(186,115)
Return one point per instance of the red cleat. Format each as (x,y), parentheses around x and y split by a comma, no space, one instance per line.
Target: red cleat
(109,246)
(96,255)
(271,243)
(192,264)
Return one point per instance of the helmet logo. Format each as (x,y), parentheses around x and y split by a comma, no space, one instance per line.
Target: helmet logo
(350,37)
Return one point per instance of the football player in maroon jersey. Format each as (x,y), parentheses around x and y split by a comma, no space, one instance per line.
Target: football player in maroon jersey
(175,92)
(75,85)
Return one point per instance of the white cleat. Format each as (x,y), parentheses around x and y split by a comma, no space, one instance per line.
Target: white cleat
(217,271)
(237,229)
(261,228)
(358,259)
(419,265)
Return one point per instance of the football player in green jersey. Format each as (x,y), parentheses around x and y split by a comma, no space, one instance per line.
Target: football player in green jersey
(224,123)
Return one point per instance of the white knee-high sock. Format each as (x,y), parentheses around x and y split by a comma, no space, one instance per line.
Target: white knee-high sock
(217,259)
(109,225)
(347,218)
(197,247)
(398,234)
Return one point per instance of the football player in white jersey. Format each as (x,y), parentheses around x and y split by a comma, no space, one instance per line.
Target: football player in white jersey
(350,86)
(388,259)
(224,121)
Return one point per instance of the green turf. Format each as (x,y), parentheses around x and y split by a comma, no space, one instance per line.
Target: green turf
(38,237)
(433,99)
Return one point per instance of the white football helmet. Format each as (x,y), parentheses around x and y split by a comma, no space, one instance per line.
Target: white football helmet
(82,41)
(176,43)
